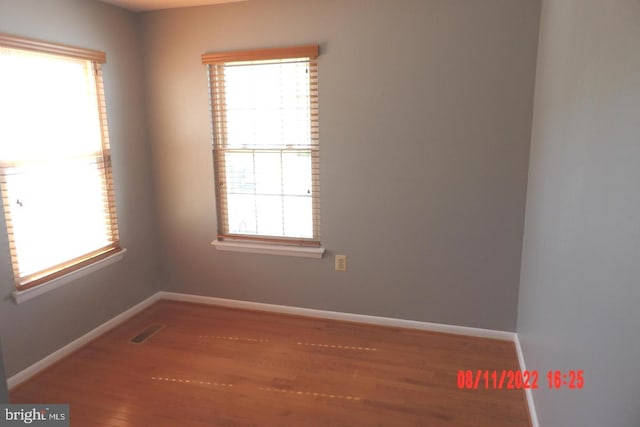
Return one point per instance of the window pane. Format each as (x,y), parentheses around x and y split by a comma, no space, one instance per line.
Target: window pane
(47,107)
(239,176)
(297,217)
(57,213)
(267,105)
(241,212)
(297,173)
(269,209)
(268,173)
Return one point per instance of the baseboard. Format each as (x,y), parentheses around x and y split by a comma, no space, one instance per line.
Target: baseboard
(334,315)
(59,354)
(39,366)
(533,415)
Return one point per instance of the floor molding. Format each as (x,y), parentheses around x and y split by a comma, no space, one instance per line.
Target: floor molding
(334,315)
(59,354)
(533,415)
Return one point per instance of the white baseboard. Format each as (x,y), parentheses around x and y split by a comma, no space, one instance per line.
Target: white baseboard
(334,315)
(533,415)
(39,366)
(362,318)
(54,357)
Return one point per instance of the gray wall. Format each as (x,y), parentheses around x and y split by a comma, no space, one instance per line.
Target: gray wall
(38,327)
(425,112)
(4,393)
(579,290)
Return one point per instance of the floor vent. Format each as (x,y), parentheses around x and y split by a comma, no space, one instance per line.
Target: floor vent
(144,335)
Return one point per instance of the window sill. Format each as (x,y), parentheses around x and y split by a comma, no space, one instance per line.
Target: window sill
(269,249)
(27,294)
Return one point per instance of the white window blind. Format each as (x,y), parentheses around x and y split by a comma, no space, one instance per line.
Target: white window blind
(55,167)
(265,144)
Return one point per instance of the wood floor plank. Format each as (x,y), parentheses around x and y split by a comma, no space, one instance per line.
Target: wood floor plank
(213,366)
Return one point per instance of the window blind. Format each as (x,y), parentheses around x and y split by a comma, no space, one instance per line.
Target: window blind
(264,106)
(55,163)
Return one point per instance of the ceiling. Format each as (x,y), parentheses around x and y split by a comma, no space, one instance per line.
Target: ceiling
(145,5)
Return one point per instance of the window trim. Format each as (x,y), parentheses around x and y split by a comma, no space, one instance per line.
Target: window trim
(307,51)
(62,273)
(8,40)
(305,243)
(268,249)
(21,295)
(311,52)
(63,269)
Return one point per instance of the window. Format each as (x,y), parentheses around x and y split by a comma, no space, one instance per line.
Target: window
(264,106)
(55,166)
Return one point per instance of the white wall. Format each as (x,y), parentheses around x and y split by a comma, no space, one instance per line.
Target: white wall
(580,290)
(425,111)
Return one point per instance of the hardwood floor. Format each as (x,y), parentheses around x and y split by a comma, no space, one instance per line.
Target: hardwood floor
(211,366)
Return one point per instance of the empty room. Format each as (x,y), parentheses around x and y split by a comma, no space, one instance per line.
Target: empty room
(320,213)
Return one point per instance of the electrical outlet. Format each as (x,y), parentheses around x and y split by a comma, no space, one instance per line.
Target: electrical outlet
(341,263)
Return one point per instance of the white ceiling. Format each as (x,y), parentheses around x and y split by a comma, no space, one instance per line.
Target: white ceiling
(144,5)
